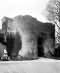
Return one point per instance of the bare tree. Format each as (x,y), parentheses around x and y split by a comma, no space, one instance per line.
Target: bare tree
(53,15)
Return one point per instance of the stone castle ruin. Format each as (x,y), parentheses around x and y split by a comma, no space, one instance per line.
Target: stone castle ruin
(28,37)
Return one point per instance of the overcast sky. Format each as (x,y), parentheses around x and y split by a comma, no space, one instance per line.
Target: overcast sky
(12,8)
(15,7)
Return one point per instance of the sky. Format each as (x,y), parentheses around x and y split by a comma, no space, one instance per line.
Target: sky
(11,8)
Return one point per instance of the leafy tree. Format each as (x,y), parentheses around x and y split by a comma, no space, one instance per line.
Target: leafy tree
(53,15)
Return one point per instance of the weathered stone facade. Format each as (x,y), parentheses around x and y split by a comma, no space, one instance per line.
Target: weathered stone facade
(29,30)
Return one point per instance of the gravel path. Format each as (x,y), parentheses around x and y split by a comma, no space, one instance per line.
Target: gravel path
(36,66)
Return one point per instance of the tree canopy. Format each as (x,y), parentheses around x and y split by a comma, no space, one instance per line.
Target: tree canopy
(53,15)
